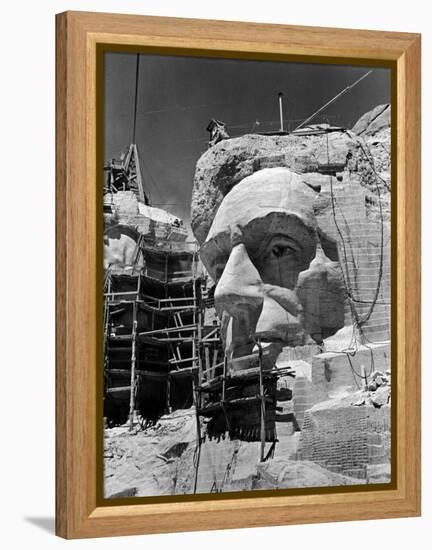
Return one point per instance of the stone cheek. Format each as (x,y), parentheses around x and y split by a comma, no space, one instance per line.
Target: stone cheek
(321,291)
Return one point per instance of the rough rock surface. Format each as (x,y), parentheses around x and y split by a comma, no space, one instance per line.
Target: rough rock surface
(152,222)
(362,153)
(373,128)
(161,461)
(373,121)
(148,462)
(344,441)
(350,177)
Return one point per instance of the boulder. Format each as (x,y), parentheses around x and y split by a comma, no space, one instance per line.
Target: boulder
(373,121)
(126,209)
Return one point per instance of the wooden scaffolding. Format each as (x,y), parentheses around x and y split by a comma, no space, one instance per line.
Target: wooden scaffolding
(152,320)
(157,334)
(240,401)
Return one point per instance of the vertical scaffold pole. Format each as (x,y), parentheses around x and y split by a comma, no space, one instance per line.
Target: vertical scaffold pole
(133,365)
(168,394)
(107,320)
(196,400)
(224,379)
(261,390)
(200,367)
(197,376)
(194,314)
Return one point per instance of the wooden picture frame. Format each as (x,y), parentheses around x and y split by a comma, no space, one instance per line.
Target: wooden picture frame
(79,35)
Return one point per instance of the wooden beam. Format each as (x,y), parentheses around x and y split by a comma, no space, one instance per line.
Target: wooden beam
(118,389)
(177,361)
(133,367)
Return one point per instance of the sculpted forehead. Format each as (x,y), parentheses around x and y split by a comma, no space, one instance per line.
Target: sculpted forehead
(271,204)
(273,190)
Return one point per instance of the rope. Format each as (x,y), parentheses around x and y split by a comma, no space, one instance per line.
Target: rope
(367,316)
(359,321)
(345,275)
(230,467)
(369,157)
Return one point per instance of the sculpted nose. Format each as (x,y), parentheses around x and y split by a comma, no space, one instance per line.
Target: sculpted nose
(239,291)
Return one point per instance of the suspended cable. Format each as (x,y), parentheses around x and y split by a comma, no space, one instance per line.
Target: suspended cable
(136,97)
(337,96)
(359,321)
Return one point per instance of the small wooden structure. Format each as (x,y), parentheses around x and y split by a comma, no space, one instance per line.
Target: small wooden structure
(124,174)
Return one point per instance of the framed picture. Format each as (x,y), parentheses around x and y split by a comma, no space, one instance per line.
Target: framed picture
(238,274)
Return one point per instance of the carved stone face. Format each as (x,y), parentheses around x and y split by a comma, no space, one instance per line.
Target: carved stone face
(272,276)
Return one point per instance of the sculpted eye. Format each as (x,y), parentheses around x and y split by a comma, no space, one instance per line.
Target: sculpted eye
(281,250)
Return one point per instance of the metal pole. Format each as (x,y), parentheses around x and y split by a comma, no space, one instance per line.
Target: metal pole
(196,399)
(281,112)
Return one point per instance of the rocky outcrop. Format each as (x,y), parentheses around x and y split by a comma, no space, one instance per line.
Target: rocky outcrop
(373,129)
(162,460)
(359,155)
(125,208)
(373,122)
(151,462)
(349,173)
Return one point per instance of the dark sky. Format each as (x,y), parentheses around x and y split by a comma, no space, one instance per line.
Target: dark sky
(177,96)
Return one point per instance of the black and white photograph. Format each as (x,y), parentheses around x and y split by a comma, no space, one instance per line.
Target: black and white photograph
(246,275)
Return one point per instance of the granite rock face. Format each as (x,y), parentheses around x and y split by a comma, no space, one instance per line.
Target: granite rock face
(358,155)
(373,164)
(347,173)
(154,223)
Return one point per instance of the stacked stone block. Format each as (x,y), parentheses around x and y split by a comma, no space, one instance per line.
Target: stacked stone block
(346,438)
